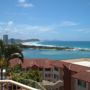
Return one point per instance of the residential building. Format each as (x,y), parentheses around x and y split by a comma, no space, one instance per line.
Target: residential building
(73,74)
(76,74)
(49,70)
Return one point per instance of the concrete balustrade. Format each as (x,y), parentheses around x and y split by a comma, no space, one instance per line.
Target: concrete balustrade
(13,85)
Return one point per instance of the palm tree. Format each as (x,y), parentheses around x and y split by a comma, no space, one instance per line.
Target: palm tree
(8,52)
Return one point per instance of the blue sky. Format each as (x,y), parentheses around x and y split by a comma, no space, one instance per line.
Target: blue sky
(46,19)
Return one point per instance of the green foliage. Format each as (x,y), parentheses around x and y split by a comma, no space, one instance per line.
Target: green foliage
(10,49)
(19,75)
(34,74)
(1,48)
(8,52)
(16,69)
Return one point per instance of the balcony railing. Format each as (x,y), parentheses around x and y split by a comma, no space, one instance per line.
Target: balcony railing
(13,85)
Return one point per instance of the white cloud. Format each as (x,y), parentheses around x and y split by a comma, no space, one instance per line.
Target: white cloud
(6,27)
(39,28)
(10,23)
(11,28)
(24,3)
(32,31)
(21,1)
(68,23)
(84,30)
(21,31)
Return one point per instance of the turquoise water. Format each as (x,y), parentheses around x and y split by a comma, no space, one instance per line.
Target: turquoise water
(57,54)
(79,44)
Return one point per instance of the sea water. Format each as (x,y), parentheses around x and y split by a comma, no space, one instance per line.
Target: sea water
(58,54)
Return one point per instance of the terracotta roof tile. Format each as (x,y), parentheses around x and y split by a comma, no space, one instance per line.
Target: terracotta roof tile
(85,76)
(45,63)
(42,63)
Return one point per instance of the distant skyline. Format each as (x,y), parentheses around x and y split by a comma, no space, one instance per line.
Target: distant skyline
(67,20)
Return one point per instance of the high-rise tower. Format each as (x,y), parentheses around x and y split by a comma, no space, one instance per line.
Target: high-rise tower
(5,39)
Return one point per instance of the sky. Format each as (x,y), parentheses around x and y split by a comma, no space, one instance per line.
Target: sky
(67,20)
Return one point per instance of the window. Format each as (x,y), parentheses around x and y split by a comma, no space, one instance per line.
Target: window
(45,75)
(41,69)
(56,69)
(82,83)
(48,75)
(55,76)
(48,69)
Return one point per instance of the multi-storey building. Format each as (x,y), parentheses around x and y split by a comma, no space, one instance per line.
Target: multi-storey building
(49,70)
(5,39)
(76,74)
(73,74)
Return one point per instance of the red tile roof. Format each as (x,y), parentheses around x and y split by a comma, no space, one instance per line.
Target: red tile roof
(45,63)
(85,76)
(42,63)
(81,71)
(73,67)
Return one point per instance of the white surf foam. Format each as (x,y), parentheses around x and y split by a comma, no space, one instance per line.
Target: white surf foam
(39,44)
(36,44)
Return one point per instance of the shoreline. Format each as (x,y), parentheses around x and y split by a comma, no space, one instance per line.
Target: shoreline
(41,47)
(46,47)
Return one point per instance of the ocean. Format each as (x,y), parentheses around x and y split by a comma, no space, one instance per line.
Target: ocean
(59,54)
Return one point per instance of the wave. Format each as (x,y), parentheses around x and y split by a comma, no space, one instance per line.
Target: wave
(83,49)
(38,44)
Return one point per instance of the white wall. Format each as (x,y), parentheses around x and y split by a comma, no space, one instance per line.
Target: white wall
(52,72)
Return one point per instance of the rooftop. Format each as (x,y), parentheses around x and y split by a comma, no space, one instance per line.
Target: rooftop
(41,63)
(81,66)
(85,76)
(83,63)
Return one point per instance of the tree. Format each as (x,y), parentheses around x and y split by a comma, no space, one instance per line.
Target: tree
(35,75)
(8,52)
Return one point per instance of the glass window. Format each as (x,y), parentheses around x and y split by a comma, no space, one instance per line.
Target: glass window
(48,69)
(48,75)
(56,69)
(55,76)
(82,83)
(45,75)
(41,69)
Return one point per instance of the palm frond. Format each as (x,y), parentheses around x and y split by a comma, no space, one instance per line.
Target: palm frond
(16,55)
